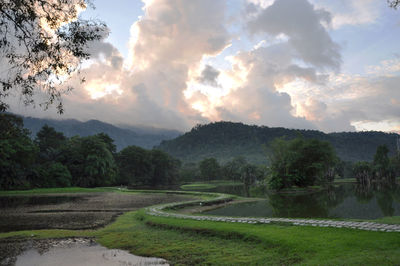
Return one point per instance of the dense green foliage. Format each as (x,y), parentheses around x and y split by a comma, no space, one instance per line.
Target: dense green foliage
(300,162)
(53,160)
(226,140)
(138,166)
(17,152)
(238,169)
(382,168)
(210,169)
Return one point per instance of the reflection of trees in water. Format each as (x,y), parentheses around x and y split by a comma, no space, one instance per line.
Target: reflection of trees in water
(319,204)
(385,193)
(363,192)
(307,205)
(385,202)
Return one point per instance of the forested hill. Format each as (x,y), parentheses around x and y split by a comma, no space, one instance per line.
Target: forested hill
(139,136)
(226,140)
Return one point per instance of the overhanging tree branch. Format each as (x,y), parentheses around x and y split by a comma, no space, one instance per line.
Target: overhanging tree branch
(42,43)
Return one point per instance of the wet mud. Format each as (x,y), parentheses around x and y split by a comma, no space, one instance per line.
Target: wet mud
(77,211)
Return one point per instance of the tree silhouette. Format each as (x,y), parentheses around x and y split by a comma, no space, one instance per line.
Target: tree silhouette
(394,3)
(42,42)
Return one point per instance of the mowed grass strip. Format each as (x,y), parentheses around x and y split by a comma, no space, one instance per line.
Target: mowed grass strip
(267,244)
(187,247)
(210,184)
(198,186)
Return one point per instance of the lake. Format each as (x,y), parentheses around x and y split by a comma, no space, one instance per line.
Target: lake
(336,201)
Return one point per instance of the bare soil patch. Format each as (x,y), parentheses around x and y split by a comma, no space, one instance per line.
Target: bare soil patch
(77,211)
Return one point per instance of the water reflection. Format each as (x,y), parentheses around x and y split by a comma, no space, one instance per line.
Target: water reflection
(339,201)
(65,252)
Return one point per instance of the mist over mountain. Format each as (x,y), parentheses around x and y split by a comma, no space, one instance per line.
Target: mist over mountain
(123,136)
(226,140)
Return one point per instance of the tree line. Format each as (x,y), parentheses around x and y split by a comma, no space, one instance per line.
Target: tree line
(237,169)
(306,162)
(53,160)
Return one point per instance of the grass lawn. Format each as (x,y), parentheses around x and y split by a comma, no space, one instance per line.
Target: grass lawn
(197,186)
(188,242)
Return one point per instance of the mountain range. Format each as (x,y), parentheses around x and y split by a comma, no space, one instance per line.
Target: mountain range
(123,135)
(221,140)
(226,140)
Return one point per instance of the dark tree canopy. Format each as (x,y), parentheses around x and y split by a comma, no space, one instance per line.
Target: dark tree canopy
(42,42)
(17,152)
(138,166)
(50,143)
(383,168)
(210,169)
(300,162)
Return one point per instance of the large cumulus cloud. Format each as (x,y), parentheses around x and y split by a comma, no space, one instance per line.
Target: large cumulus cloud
(179,72)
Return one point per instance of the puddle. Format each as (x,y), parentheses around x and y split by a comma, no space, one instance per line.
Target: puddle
(76,252)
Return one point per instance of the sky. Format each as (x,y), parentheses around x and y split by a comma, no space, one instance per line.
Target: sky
(309,64)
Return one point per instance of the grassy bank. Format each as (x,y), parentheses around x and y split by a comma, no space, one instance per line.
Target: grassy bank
(188,242)
(209,185)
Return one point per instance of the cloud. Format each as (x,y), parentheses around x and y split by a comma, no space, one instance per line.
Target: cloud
(280,67)
(209,76)
(349,102)
(352,12)
(303,24)
(167,43)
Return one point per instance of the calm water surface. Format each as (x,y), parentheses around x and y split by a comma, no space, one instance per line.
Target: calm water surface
(339,201)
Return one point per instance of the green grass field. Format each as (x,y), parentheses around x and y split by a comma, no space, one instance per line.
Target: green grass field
(188,242)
